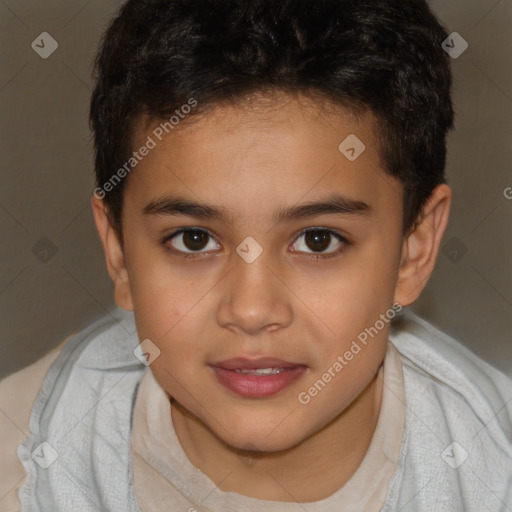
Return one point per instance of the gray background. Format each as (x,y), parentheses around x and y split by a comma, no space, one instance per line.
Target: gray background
(53,279)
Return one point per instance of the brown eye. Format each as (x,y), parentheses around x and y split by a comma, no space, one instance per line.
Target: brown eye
(191,240)
(195,240)
(318,241)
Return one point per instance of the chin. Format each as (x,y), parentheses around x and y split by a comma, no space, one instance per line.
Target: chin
(257,444)
(260,436)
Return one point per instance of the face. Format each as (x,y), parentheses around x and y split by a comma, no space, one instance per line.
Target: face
(258,279)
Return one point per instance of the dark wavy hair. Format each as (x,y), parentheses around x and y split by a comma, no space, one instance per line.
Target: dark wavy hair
(381,55)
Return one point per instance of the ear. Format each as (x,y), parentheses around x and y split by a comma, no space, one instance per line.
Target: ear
(113,254)
(420,249)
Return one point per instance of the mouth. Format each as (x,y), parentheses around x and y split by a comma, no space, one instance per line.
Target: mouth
(257,378)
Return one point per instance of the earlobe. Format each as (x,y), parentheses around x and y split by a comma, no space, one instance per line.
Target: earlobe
(114,255)
(420,249)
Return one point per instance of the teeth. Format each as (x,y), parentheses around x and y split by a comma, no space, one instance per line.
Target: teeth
(260,371)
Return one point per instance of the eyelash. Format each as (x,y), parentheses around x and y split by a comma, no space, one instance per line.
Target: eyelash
(311,256)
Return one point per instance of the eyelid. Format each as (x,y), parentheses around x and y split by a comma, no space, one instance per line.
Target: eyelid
(332,231)
(185,230)
(315,256)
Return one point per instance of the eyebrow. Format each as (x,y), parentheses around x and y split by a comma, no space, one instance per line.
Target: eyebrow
(334,204)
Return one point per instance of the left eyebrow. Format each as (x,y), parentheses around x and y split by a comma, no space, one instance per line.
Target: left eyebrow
(334,204)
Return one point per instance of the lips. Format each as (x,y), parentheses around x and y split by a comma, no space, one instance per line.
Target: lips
(257,378)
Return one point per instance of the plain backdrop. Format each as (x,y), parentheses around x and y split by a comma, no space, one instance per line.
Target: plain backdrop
(53,279)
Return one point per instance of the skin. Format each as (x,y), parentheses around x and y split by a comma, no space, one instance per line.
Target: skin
(251,159)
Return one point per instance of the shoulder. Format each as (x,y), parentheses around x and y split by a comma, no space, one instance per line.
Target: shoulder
(18,392)
(105,344)
(83,413)
(453,386)
(457,443)
(88,360)
(447,365)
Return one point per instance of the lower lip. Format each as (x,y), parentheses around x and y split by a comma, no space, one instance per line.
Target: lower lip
(257,386)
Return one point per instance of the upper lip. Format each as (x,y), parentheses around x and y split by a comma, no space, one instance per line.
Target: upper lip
(252,364)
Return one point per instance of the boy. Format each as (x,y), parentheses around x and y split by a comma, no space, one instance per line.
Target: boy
(231,139)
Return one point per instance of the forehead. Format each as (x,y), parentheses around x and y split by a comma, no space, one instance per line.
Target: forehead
(265,151)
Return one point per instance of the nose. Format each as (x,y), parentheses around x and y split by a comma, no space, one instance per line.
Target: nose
(255,298)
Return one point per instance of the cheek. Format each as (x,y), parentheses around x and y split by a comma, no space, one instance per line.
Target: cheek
(177,336)
(161,297)
(354,297)
(350,310)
